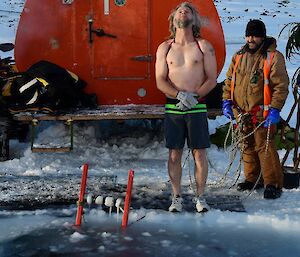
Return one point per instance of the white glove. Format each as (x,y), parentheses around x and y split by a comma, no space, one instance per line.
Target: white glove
(186,99)
(181,106)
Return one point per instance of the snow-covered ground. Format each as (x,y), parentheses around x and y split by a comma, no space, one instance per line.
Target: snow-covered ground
(267,228)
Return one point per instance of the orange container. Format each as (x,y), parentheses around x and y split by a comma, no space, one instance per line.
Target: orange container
(111,44)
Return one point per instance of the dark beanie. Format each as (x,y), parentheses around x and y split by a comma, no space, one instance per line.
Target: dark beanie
(256,28)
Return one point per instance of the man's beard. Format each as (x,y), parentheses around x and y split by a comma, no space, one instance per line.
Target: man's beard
(253,50)
(182,24)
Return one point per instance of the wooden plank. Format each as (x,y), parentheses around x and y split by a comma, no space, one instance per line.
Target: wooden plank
(51,149)
(105,112)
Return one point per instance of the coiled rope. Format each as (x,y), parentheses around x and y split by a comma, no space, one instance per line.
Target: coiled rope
(237,143)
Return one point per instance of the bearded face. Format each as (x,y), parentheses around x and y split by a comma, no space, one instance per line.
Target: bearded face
(182,24)
(183,18)
(254,43)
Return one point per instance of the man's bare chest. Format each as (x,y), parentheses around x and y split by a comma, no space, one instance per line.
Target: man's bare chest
(184,56)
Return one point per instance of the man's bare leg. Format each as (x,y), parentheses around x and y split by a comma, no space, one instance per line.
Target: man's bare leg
(201,170)
(175,170)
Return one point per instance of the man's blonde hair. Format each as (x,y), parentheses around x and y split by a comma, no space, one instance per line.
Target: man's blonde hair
(196,20)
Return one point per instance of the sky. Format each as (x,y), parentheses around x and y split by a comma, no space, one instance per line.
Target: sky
(264,228)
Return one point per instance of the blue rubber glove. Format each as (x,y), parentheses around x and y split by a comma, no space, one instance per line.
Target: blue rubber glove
(227,109)
(273,117)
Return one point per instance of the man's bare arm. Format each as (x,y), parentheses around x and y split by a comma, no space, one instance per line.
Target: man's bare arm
(161,71)
(210,68)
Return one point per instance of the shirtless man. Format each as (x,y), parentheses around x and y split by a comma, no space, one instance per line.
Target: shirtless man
(186,71)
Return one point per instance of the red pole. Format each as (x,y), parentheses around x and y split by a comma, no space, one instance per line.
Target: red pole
(127,199)
(81,196)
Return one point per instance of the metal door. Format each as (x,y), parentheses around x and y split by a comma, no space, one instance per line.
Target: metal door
(119,39)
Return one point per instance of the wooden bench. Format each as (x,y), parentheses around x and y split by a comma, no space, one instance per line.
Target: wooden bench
(105,112)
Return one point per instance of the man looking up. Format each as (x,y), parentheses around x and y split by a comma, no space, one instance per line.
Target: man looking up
(186,71)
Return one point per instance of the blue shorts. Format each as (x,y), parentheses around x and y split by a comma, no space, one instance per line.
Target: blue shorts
(190,126)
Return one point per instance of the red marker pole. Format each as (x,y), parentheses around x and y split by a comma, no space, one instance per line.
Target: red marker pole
(81,196)
(127,199)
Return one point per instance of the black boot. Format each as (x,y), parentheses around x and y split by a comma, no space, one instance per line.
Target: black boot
(247,185)
(272,192)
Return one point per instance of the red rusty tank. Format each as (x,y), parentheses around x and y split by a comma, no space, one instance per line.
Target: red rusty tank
(111,44)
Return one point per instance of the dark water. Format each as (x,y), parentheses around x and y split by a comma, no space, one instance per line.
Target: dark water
(178,235)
